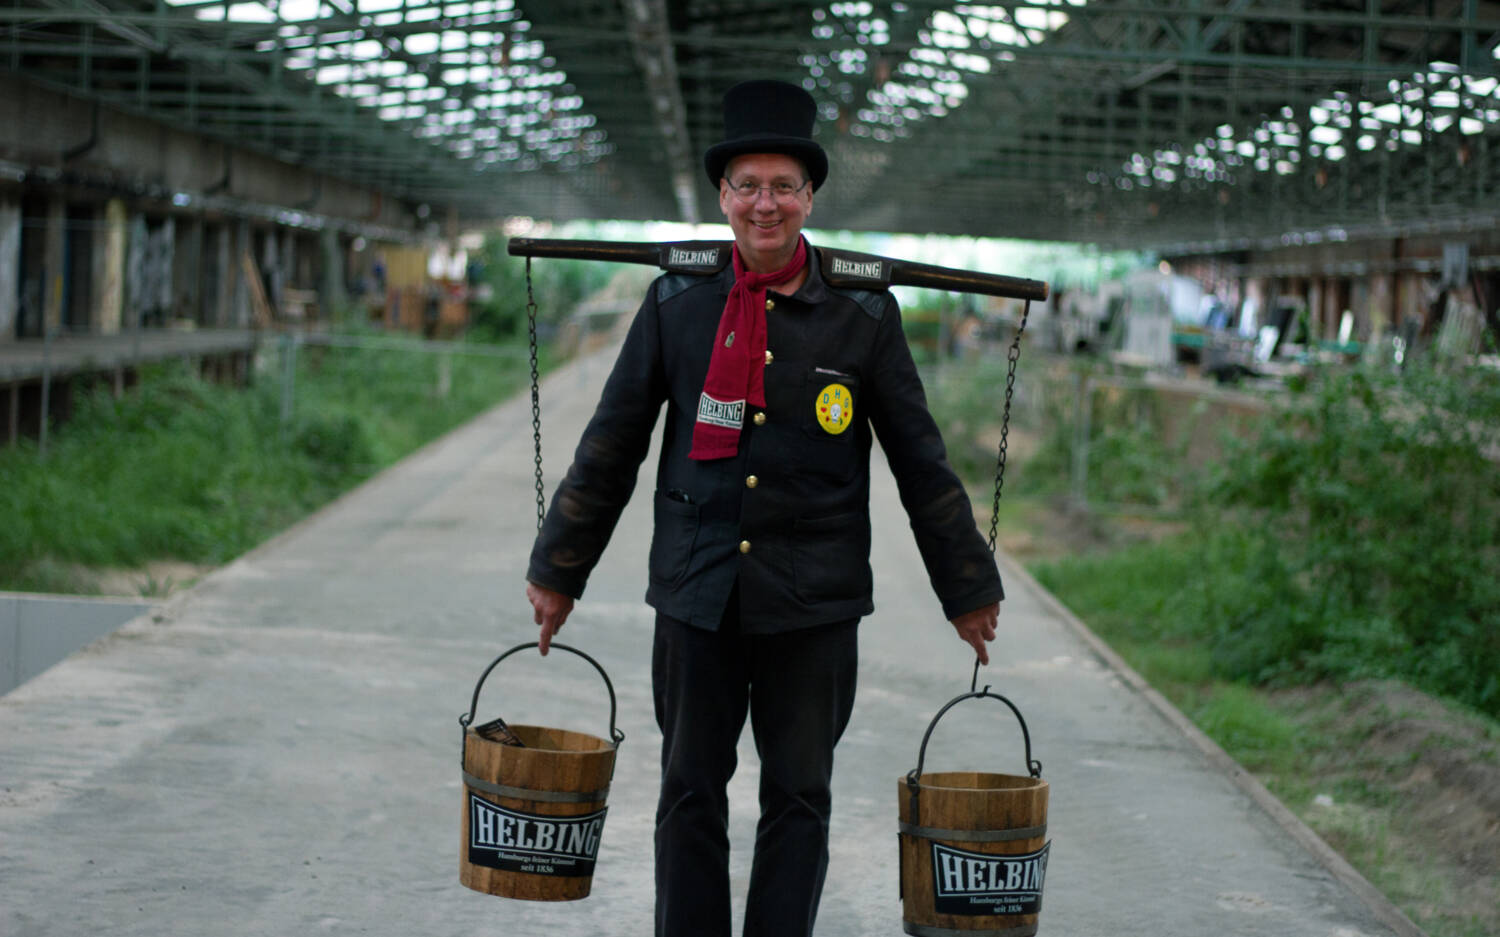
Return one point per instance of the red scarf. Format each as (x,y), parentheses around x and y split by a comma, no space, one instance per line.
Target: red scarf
(737,365)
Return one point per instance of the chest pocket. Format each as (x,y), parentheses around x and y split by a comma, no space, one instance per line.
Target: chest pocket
(830,402)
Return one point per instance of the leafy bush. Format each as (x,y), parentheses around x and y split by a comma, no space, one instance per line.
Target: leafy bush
(339,444)
(1355,533)
(1364,527)
(967,407)
(1130,463)
(184,469)
(558,285)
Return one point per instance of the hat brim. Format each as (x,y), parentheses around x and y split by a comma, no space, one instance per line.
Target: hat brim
(811,155)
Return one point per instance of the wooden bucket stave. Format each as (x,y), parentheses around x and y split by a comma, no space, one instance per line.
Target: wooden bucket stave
(973,846)
(532,815)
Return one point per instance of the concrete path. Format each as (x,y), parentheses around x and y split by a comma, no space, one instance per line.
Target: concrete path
(275,752)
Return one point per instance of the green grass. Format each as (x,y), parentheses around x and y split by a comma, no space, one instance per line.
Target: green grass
(1303,744)
(182,469)
(1136,596)
(1348,541)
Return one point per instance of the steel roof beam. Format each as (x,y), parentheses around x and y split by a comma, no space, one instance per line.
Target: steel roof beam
(651,43)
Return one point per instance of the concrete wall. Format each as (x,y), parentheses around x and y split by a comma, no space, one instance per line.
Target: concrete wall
(39,125)
(83,182)
(37,631)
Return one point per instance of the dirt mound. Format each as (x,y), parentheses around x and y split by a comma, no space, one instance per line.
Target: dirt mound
(1435,769)
(1453,777)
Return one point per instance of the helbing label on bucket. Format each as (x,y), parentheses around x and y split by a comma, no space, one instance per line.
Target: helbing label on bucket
(979,883)
(517,841)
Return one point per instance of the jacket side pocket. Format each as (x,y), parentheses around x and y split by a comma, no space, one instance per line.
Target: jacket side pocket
(672,539)
(831,557)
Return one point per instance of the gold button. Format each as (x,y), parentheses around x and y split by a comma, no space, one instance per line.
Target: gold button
(770,304)
(769,357)
(751,481)
(760,419)
(744,546)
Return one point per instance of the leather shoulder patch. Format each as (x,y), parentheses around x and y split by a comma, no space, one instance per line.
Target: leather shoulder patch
(873,302)
(669,285)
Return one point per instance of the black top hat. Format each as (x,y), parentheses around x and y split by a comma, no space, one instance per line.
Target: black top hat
(768,117)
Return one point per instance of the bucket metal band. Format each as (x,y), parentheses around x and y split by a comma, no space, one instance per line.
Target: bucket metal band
(975,836)
(522,793)
(924,930)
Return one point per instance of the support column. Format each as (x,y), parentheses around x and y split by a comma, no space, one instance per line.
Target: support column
(1361,304)
(52,265)
(288,264)
(137,273)
(1253,312)
(239,314)
(1382,304)
(161,252)
(109,270)
(271,272)
(187,272)
(221,312)
(1315,310)
(10,268)
(331,296)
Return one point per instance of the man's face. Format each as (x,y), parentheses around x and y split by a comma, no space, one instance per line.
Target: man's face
(765,228)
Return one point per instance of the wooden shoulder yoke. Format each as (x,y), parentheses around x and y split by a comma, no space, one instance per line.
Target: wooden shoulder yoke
(845,269)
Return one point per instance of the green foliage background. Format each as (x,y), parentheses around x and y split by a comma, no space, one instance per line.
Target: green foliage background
(1372,507)
(558,285)
(1354,533)
(183,469)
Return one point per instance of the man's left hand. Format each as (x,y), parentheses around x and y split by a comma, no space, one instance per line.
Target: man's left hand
(977,628)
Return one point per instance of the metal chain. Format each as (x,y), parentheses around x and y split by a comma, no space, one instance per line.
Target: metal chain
(1013,357)
(536,397)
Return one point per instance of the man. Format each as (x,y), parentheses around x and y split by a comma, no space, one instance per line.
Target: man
(759,563)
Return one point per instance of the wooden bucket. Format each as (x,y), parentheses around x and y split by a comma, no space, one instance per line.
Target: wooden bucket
(973,846)
(533,815)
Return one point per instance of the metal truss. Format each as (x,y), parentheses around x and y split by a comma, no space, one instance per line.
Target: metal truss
(1139,122)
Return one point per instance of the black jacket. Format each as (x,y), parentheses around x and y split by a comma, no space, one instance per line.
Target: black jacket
(789,515)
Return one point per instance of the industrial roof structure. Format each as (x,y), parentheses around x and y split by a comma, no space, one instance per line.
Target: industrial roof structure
(1181,124)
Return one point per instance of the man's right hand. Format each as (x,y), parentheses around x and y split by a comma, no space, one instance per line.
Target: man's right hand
(550,610)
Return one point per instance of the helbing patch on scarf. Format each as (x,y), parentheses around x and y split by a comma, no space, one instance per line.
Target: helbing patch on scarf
(835,408)
(726,413)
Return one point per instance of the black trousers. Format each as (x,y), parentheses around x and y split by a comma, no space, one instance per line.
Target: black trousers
(798,688)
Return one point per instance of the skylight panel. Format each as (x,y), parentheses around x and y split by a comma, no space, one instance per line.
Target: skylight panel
(250,13)
(333,74)
(296,11)
(495,84)
(953,43)
(365,49)
(1433,102)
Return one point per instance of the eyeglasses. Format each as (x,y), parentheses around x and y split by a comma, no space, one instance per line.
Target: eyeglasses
(782,192)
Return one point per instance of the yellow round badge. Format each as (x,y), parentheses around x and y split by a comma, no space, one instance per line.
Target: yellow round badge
(835,407)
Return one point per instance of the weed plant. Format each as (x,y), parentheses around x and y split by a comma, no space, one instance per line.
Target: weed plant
(1130,463)
(558,285)
(183,469)
(1355,535)
(1359,535)
(968,400)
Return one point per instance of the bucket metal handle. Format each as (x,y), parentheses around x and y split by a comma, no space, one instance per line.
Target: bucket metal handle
(467,718)
(913,781)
